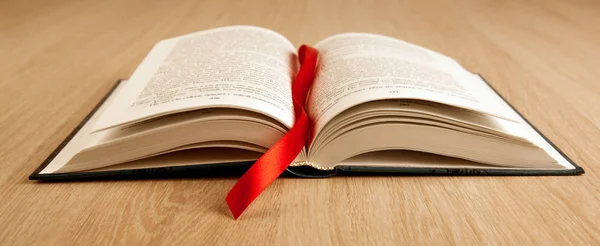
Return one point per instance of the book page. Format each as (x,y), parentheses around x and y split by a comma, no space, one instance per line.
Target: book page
(242,67)
(355,68)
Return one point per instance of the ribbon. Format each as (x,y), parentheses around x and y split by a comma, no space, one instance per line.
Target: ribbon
(273,162)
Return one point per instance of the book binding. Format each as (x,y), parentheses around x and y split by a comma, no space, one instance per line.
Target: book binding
(236,169)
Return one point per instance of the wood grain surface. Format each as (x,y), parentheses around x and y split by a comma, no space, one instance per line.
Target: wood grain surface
(58,58)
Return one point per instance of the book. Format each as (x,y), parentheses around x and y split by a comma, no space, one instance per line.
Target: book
(212,102)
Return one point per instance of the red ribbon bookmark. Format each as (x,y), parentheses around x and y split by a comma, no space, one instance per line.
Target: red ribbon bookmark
(273,162)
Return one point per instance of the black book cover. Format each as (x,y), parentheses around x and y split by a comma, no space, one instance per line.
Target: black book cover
(236,169)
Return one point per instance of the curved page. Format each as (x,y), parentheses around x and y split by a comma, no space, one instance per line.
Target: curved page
(242,67)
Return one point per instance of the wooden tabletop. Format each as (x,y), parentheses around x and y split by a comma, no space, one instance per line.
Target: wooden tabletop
(58,58)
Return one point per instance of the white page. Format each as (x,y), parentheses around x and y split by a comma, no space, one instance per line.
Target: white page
(239,67)
(530,133)
(83,137)
(355,68)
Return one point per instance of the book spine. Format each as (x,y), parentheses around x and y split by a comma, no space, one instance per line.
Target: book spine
(310,164)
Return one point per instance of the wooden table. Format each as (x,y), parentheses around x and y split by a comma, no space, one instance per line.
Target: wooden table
(58,58)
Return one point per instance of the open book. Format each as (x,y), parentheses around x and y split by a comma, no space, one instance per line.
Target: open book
(218,99)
